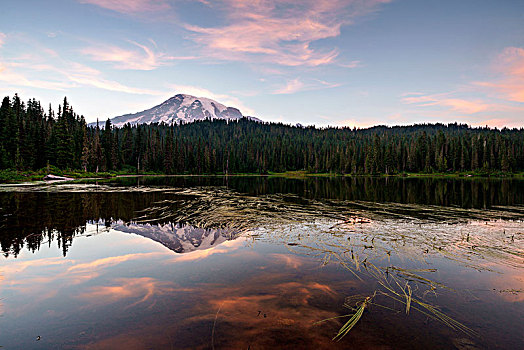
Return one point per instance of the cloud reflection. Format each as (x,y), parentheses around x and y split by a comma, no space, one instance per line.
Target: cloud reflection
(224,248)
(112,261)
(141,288)
(266,305)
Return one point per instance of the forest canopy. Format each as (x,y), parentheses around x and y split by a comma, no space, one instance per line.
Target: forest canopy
(33,138)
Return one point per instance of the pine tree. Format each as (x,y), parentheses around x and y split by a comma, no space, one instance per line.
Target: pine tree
(64,140)
(107,146)
(86,151)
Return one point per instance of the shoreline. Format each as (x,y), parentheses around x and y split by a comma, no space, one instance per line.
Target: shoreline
(21,177)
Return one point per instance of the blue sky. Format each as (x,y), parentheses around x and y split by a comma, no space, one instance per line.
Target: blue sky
(324,62)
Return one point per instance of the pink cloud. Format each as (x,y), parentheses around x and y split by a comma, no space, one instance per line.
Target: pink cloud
(110,261)
(495,105)
(279,31)
(224,248)
(12,269)
(496,122)
(58,74)
(352,64)
(510,65)
(3,39)
(9,76)
(140,289)
(291,87)
(360,122)
(296,85)
(290,261)
(455,104)
(130,6)
(143,59)
(465,106)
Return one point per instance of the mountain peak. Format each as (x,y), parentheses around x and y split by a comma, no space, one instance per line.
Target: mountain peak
(181,108)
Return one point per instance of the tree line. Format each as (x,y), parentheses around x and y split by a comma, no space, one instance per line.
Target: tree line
(33,138)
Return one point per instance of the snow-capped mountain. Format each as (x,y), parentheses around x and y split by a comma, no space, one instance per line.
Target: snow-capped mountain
(179,238)
(179,109)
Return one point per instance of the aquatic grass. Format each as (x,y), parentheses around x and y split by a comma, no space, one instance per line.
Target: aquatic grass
(408,295)
(353,318)
(352,321)
(398,289)
(357,236)
(407,274)
(214,326)
(394,291)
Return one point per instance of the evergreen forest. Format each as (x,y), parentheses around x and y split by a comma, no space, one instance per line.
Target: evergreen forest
(33,138)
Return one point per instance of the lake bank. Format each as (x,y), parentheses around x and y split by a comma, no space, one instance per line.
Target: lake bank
(17,176)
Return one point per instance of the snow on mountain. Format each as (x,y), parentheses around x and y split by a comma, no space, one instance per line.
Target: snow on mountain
(179,109)
(179,238)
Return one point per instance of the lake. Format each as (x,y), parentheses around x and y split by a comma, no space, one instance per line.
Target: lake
(261,262)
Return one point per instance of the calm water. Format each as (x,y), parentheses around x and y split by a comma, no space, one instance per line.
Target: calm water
(257,263)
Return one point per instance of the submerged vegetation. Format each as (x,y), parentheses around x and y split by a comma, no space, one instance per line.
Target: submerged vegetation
(353,319)
(397,288)
(32,140)
(364,242)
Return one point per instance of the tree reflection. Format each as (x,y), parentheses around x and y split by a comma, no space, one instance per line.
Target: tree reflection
(34,218)
(462,192)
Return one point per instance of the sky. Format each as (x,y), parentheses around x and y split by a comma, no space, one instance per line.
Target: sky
(323,62)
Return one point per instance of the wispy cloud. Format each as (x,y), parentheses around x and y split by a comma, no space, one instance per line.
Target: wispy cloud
(497,122)
(297,85)
(279,31)
(495,102)
(68,77)
(359,122)
(140,58)
(455,104)
(136,290)
(352,64)
(291,87)
(10,76)
(85,76)
(3,38)
(510,65)
(58,73)
(109,261)
(9,271)
(130,6)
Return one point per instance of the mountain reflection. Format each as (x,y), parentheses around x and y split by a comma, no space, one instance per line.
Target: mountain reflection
(180,238)
(189,213)
(34,218)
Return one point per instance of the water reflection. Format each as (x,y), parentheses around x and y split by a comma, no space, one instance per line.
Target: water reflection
(200,217)
(33,218)
(117,290)
(180,238)
(258,270)
(36,218)
(462,192)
